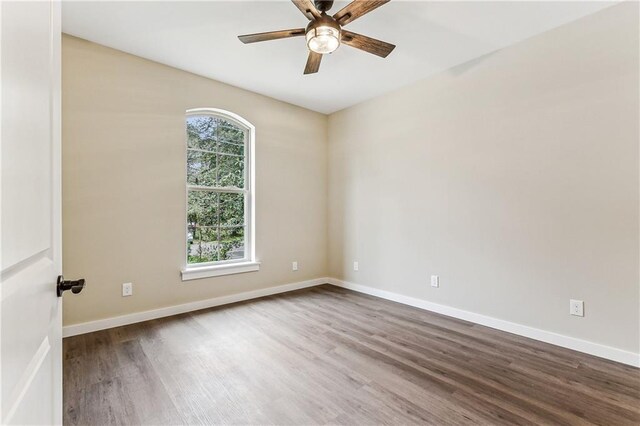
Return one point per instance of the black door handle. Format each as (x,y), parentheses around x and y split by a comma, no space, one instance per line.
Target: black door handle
(64,285)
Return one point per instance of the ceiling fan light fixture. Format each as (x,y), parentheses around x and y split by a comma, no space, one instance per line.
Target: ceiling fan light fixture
(323,39)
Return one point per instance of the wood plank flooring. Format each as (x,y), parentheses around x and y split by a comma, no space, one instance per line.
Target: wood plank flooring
(329,355)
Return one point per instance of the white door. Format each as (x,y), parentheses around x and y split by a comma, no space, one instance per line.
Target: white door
(30,318)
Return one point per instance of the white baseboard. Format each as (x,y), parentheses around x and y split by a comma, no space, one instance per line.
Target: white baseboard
(607,352)
(602,351)
(102,324)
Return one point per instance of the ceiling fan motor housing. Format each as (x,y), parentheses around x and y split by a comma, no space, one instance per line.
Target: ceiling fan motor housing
(323,5)
(323,21)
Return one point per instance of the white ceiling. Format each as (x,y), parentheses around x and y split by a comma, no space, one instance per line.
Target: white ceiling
(201,37)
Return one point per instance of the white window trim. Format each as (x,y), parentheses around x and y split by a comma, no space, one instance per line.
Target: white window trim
(196,272)
(249,263)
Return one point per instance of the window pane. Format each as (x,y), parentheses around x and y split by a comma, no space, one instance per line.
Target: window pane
(230,148)
(202,245)
(232,243)
(206,132)
(230,171)
(227,132)
(201,168)
(201,133)
(202,208)
(231,209)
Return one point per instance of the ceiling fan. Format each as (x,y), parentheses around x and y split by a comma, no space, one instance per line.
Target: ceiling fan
(324,34)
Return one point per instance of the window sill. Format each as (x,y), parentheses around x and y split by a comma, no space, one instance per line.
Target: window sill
(195,273)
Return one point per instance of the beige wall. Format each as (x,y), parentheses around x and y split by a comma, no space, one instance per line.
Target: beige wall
(124,183)
(514,178)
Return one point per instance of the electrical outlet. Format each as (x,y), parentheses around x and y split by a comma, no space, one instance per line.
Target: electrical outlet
(355,266)
(294,266)
(576,307)
(127,289)
(435,281)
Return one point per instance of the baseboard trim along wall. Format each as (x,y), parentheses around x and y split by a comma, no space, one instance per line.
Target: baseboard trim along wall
(579,345)
(103,324)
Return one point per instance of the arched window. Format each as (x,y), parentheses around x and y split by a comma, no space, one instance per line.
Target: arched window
(220,200)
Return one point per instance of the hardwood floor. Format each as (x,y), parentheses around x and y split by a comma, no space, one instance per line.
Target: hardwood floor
(329,355)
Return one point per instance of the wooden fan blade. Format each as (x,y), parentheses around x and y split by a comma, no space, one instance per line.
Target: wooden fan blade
(356,9)
(272,35)
(313,63)
(368,44)
(307,8)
